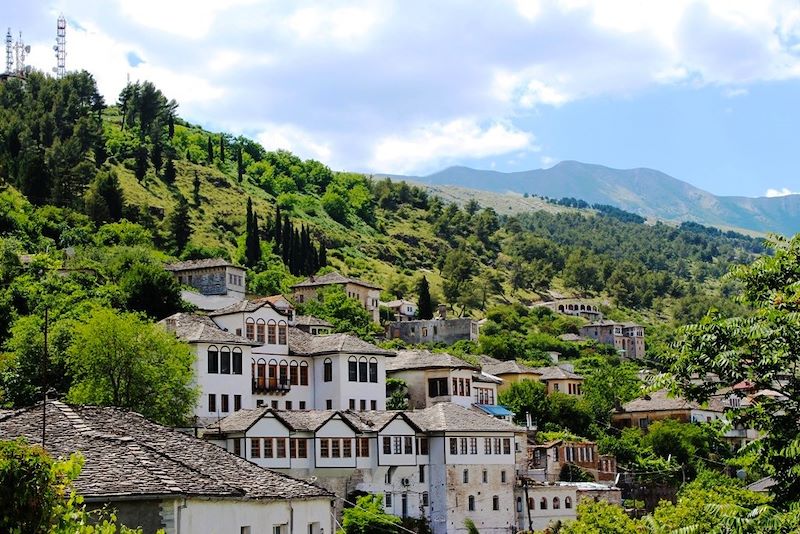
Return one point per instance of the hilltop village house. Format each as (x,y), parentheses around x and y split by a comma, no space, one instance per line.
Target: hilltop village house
(626,338)
(216,282)
(433,330)
(368,294)
(445,462)
(574,307)
(660,405)
(401,310)
(159,478)
(546,461)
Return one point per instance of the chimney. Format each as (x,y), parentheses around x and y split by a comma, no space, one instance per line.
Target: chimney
(442,311)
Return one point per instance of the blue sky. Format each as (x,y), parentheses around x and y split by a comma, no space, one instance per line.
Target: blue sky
(707,91)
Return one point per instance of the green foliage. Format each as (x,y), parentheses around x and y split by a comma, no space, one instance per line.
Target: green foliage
(608,384)
(523,397)
(470,527)
(424,303)
(601,517)
(104,199)
(180,224)
(149,289)
(344,313)
(396,394)
(368,517)
(119,359)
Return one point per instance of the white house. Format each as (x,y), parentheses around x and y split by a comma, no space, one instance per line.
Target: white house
(540,505)
(401,309)
(159,478)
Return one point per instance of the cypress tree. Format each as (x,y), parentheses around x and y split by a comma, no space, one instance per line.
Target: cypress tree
(171,126)
(181,224)
(322,260)
(256,240)
(305,253)
(297,253)
(248,236)
(170,172)
(141,163)
(196,189)
(425,306)
(239,164)
(222,148)
(210,156)
(277,230)
(286,240)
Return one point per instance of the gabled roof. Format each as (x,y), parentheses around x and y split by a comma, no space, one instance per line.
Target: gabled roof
(304,344)
(129,456)
(310,320)
(201,329)
(510,367)
(334,277)
(425,359)
(450,417)
(307,420)
(555,372)
(249,306)
(206,263)
(661,401)
(398,302)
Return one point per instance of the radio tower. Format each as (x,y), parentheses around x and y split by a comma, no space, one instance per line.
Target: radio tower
(9,52)
(61,47)
(21,50)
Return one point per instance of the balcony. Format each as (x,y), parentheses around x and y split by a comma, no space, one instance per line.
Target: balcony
(271,385)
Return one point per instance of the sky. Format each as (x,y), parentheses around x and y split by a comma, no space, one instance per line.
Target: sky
(706,91)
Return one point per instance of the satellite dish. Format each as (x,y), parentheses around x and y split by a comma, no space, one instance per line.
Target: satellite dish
(54,69)
(27,49)
(55,47)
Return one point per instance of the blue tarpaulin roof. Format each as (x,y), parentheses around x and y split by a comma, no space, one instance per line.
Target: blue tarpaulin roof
(497,411)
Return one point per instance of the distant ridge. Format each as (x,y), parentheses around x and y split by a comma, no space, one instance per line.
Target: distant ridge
(647,192)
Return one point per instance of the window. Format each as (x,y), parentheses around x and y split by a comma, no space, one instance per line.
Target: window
(274,404)
(237,361)
(329,404)
(373,405)
(543,503)
(487,445)
(261,378)
(506,445)
(437,387)
(293,373)
(225,361)
(387,445)
(373,370)
(467,391)
(288,405)
(465,476)
(362,370)
(362,405)
(224,399)
(324,451)
(268,448)
(282,331)
(503,477)
(213,360)
(335,448)
(422,446)
(397,445)
(556,503)
(250,329)
(244,530)
(347,448)
(302,405)
(471,503)
(237,447)
(485,476)
(271,335)
(298,448)
(567,502)
(352,369)
(473,445)
(388,500)
(555,387)
(237,403)
(453,446)
(303,374)
(284,373)
(327,371)
(408,445)
(495,503)
(362,447)
(260,326)
(462,442)
(421,473)
(280,448)
(497,445)
(425,500)
(212,403)
(273,374)
(424,331)
(255,448)
(455,386)
(352,404)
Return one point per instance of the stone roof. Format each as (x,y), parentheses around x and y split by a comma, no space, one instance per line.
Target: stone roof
(554,372)
(249,306)
(304,344)
(510,367)
(762,485)
(310,320)
(662,401)
(201,329)
(303,420)
(450,417)
(570,337)
(128,456)
(206,263)
(334,277)
(425,359)
(398,303)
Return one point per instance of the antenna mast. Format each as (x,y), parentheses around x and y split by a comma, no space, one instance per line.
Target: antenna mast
(60,47)
(9,52)
(21,50)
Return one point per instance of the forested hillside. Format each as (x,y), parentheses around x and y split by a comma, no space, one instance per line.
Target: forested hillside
(96,198)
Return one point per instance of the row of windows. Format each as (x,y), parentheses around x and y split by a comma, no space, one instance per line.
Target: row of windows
(437,387)
(362,404)
(283,373)
(362,371)
(484,476)
(583,454)
(484,395)
(543,502)
(223,361)
(424,501)
(398,444)
(471,503)
(235,279)
(276,447)
(343,447)
(276,333)
(470,446)
(224,403)
(289,405)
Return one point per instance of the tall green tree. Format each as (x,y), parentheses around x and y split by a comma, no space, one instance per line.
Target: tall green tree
(222,148)
(425,305)
(104,200)
(369,517)
(210,151)
(239,163)
(120,359)
(181,224)
(149,289)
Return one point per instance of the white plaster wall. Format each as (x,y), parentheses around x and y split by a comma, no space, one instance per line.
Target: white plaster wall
(335,428)
(480,458)
(219,384)
(542,518)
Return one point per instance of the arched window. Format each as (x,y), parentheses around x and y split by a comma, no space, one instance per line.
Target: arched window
(543,503)
(225,361)
(237,361)
(294,377)
(327,370)
(373,370)
(352,369)
(271,335)
(362,369)
(303,373)
(261,374)
(273,374)
(250,328)
(283,376)
(495,503)
(561,307)
(283,333)
(519,504)
(583,307)
(567,502)
(213,360)
(556,503)
(531,504)
(471,503)
(260,331)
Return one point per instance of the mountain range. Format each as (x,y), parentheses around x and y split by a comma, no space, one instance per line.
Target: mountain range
(647,192)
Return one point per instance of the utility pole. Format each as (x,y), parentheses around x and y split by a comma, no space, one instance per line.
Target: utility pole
(44,379)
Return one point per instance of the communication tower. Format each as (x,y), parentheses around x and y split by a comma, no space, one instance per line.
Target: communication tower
(9,52)
(60,47)
(21,50)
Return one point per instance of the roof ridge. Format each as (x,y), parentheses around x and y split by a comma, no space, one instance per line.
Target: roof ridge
(75,419)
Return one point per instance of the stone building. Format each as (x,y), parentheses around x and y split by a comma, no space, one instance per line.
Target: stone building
(574,307)
(433,330)
(367,293)
(211,276)
(546,461)
(542,505)
(626,338)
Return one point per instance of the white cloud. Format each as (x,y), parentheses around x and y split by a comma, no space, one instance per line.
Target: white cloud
(290,137)
(780,192)
(343,25)
(547,161)
(441,142)
(529,9)
(192,19)
(733,92)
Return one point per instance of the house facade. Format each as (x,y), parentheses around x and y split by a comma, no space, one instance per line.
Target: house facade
(211,276)
(627,338)
(159,478)
(366,293)
(546,461)
(575,307)
(509,371)
(433,330)
(660,405)
(401,310)
(561,379)
(542,505)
